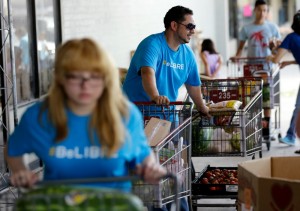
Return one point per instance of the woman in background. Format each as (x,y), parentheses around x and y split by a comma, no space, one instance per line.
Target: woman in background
(211,59)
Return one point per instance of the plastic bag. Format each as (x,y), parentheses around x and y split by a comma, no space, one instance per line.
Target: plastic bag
(228,105)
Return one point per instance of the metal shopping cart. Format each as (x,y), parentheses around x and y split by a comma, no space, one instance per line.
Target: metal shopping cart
(62,195)
(230,132)
(227,133)
(173,152)
(269,72)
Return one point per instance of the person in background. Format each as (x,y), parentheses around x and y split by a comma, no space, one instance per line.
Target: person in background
(211,59)
(163,63)
(85,127)
(260,36)
(298,125)
(291,43)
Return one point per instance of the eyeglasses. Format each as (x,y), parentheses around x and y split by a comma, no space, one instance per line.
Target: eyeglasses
(76,80)
(189,26)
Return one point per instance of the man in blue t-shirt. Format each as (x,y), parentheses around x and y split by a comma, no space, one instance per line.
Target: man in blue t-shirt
(163,63)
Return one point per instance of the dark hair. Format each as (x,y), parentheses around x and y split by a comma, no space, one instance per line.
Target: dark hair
(259,2)
(296,23)
(208,45)
(176,14)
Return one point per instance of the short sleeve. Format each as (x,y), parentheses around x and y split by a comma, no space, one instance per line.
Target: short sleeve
(286,43)
(276,32)
(243,34)
(137,139)
(19,141)
(147,54)
(32,132)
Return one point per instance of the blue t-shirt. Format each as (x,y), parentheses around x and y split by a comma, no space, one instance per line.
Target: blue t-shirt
(172,68)
(77,156)
(292,43)
(259,37)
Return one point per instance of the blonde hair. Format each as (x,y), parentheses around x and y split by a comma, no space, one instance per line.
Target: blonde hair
(112,107)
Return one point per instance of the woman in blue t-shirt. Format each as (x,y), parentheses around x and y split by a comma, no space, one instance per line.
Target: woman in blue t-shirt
(85,127)
(291,43)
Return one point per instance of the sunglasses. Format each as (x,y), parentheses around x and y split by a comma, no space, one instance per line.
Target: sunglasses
(189,26)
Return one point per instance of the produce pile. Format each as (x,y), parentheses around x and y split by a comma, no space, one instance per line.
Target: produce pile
(67,198)
(220,176)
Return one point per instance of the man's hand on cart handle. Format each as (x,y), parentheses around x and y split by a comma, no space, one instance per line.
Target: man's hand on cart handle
(234,58)
(204,111)
(161,100)
(24,178)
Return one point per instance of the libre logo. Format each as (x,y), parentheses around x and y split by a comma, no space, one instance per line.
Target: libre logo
(173,65)
(88,152)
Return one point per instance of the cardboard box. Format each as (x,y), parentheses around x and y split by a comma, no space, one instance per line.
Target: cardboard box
(156,130)
(269,184)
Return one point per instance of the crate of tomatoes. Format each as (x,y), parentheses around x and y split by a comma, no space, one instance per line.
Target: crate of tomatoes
(216,181)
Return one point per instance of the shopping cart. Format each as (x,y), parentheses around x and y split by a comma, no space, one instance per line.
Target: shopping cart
(230,132)
(173,152)
(227,133)
(269,72)
(63,195)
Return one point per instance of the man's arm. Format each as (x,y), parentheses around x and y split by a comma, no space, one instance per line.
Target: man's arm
(240,49)
(196,95)
(278,56)
(149,85)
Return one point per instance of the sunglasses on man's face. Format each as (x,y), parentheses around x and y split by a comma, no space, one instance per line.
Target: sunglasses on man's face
(189,26)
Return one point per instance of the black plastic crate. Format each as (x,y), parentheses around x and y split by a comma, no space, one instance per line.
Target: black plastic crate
(223,187)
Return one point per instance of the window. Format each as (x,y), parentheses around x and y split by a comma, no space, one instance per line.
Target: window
(45,42)
(23,64)
(233,19)
(35,37)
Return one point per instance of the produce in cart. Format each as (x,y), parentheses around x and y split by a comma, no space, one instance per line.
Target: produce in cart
(66,198)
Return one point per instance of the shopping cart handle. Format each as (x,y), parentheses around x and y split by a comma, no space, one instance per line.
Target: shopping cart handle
(83,180)
(153,103)
(94,180)
(247,58)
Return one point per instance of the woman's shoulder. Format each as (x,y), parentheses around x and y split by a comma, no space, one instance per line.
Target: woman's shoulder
(34,108)
(133,110)
(32,112)
(134,115)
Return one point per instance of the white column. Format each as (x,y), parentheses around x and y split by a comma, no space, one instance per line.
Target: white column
(297,5)
(222,29)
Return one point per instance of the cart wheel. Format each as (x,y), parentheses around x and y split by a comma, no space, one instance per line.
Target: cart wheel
(236,205)
(190,203)
(260,154)
(253,157)
(268,145)
(279,136)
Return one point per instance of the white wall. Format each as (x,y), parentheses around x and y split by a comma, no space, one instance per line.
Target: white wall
(119,26)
